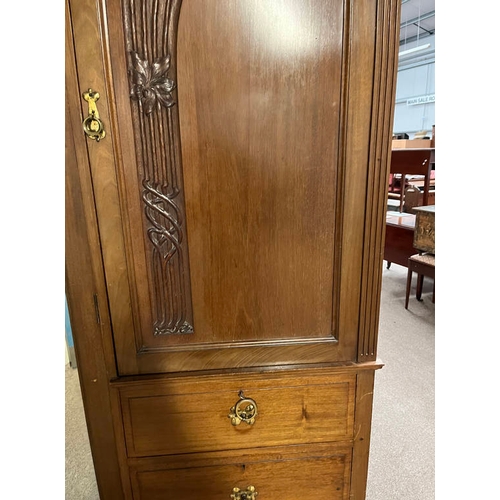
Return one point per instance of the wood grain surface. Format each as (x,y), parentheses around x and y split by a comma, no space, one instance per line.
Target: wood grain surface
(274,142)
(291,410)
(295,473)
(259,98)
(226,236)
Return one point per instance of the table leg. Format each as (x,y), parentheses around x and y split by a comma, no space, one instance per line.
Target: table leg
(427,182)
(420,282)
(408,286)
(402,192)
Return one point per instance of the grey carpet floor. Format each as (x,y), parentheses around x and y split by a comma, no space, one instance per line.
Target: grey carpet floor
(402,446)
(80,476)
(402,449)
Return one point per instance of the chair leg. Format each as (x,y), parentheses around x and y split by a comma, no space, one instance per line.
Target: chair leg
(388,265)
(420,283)
(402,193)
(408,287)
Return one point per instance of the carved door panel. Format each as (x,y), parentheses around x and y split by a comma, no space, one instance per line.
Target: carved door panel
(232,198)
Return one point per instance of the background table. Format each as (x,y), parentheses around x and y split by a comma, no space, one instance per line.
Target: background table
(399,232)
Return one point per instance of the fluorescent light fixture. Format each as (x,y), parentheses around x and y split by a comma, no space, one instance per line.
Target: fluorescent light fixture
(414,49)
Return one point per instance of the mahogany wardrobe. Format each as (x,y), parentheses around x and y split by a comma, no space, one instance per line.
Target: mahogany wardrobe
(226,183)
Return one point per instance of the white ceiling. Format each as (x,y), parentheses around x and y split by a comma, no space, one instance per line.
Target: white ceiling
(417,20)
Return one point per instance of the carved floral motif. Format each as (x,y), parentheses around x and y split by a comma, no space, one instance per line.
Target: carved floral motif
(150,45)
(150,84)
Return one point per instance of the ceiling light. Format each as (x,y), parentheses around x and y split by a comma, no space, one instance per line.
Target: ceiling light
(414,49)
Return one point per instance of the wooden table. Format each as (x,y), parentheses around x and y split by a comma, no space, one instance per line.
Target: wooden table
(413,161)
(399,231)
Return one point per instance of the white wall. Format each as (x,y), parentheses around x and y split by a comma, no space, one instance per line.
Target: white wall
(416,78)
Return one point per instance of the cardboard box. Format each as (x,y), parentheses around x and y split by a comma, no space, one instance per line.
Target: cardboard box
(411,143)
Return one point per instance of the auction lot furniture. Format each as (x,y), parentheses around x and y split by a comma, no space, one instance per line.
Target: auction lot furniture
(407,162)
(424,240)
(226,176)
(424,265)
(399,236)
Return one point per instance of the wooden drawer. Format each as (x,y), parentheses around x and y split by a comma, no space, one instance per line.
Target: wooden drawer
(294,473)
(186,415)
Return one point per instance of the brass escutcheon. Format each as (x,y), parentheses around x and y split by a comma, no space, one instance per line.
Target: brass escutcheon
(248,494)
(92,125)
(245,410)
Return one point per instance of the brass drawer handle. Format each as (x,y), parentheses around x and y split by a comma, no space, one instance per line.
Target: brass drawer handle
(92,125)
(248,494)
(245,410)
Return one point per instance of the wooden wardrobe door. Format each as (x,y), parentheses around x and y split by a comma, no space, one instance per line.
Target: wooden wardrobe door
(232,198)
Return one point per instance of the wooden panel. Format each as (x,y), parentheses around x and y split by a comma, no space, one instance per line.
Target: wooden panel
(411,161)
(362,433)
(304,210)
(259,97)
(385,70)
(91,55)
(85,288)
(262,272)
(425,230)
(290,411)
(259,158)
(150,33)
(295,474)
(360,41)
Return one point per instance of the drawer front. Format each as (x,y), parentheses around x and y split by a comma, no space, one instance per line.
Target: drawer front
(299,475)
(192,415)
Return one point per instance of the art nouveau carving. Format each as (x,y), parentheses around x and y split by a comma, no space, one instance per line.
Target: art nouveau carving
(150,84)
(150,31)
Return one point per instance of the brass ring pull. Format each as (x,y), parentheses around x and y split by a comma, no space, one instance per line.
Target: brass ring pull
(94,128)
(92,125)
(245,410)
(248,494)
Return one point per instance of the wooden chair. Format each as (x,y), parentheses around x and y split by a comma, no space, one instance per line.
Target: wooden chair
(423,265)
(411,162)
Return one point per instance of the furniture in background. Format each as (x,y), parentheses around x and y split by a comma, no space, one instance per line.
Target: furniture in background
(413,196)
(407,162)
(399,235)
(406,233)
(210,221)
(424,265)
(424,240)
